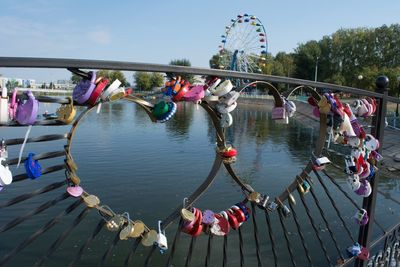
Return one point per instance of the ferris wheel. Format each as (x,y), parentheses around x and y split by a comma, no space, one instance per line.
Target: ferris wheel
(244,45)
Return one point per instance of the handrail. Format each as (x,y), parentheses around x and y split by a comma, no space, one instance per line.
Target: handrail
(28,62)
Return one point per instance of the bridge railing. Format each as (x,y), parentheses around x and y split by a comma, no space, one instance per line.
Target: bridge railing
(377,126)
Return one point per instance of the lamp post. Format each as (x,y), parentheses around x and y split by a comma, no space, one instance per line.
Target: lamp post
(316,70)
(398,95)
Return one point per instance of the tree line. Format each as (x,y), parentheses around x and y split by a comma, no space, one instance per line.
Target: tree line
(351,57)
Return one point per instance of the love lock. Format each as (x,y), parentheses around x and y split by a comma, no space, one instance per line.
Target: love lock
(186,214)
(354,182)
(371,143)
(66,112)
(226,120)
(361,217)
(354,250)
(303,187)
(254,197)
(27,111)
(365,188)
(161,242)
(350,165)
(290,107)
(272,206)
(4,111)
(32,167)
(91,201)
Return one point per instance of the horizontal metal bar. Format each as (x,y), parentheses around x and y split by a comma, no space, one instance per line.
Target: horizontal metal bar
(37,123)
(42,138)
(27,62)
(42,156)
(24,176)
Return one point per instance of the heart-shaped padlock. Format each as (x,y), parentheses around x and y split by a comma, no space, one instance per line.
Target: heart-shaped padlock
(66,112)
(27,110)
(32,167)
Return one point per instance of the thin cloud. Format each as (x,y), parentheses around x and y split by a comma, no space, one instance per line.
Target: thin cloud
(100,37)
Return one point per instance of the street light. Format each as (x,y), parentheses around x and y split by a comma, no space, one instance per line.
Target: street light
(398,94)
(316,70)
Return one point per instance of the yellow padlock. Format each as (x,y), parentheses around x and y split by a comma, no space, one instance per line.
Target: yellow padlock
(66,113)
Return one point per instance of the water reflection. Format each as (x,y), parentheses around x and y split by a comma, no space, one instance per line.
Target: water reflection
(147,168)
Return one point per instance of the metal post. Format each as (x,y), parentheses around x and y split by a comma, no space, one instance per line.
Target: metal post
(316,70)
(377,131)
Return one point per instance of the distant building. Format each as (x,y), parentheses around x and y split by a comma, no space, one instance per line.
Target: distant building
(17,82)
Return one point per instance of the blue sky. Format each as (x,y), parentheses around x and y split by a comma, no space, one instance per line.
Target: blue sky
(159,31)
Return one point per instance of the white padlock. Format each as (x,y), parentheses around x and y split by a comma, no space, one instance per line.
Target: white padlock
(5,173)
(162,242)
(4,106)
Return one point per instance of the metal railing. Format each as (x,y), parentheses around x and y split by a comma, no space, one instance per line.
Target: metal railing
(378,124)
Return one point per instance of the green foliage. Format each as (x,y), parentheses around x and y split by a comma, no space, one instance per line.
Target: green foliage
(146,81)
(342,58)
(181,62)
(111,75)
(75,79)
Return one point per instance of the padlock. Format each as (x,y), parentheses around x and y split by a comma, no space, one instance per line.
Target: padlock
(272,206)
(354,250)
(3,150)
(75,191)
(278,113)
(84,89)
(371,143)
(230,98)
(226,120)
(4,111)
(285,210)
(350,165)
(322,161)
(161,242)
(290,107)
(361,217)
(66,112)
(5,173)
(12,108)
(186,214)
(254,197)
(306,186)
(264,201)
(353,181)
(115,223)
(32,167)
(365,188)
(27,110)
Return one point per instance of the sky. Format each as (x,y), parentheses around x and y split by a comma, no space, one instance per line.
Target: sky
(160,31)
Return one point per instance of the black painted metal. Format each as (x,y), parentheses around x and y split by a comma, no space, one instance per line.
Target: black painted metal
(369,203)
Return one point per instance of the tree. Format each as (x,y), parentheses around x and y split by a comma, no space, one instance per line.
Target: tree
(146,81)
(181,62)
(75,79)
(110,75)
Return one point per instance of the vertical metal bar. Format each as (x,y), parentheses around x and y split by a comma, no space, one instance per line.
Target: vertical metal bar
(224,261)
(271,238)
(175,243)
(241,247)
(369,203)
(209,248)
(285,233)
(256,239)
(190,252)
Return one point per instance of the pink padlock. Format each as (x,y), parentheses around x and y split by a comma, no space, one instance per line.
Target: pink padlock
(278,113)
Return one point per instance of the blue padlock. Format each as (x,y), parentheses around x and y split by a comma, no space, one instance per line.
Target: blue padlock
(32,167)
(354,250)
